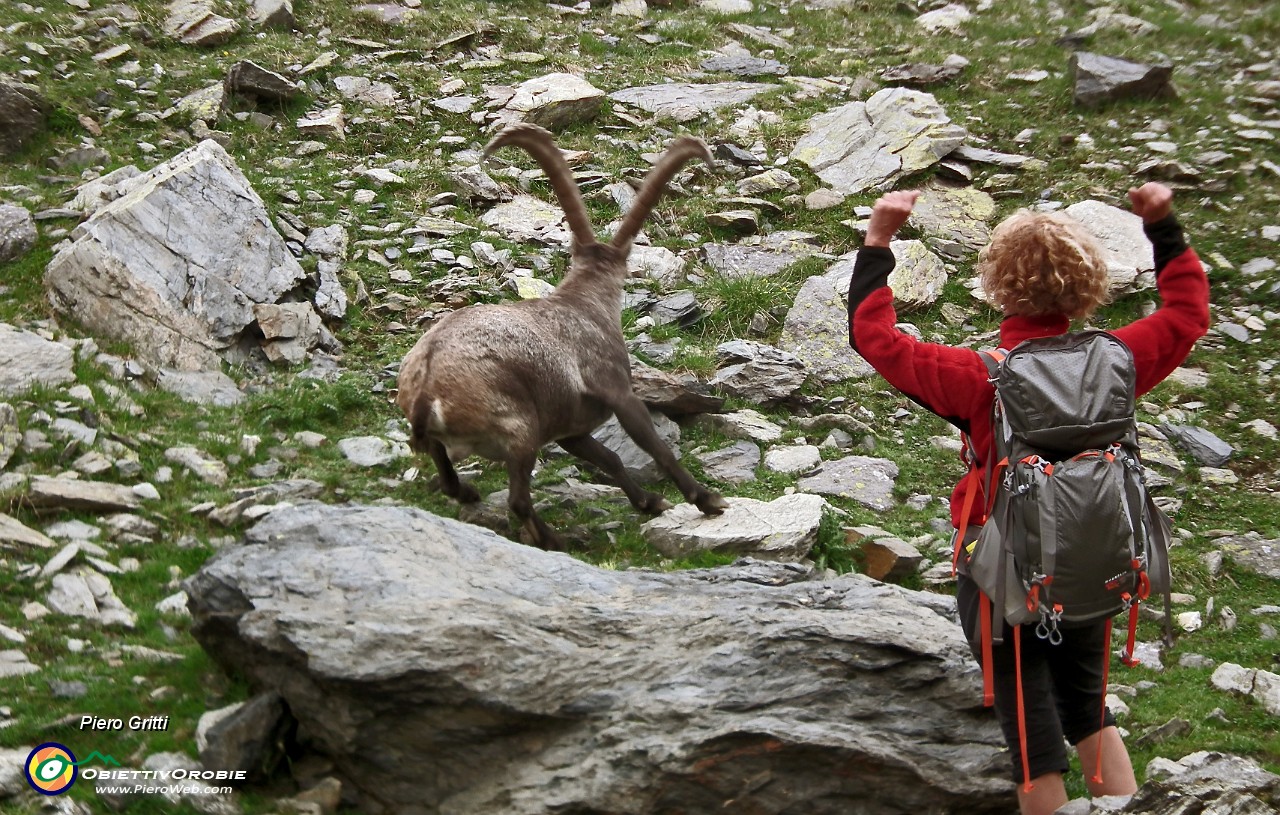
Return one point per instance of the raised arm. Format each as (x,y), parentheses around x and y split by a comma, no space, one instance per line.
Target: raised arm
(947,381)
(1161,342)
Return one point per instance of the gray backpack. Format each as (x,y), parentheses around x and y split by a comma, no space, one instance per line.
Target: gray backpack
(1072,534)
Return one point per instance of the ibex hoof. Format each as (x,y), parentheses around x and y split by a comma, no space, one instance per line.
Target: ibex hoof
(467,494)
(543,538)
(654,504)
(711,503)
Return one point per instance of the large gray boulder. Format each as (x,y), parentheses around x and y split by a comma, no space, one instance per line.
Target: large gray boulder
(175,262)
(816,328)
(1131,264)
(443,669)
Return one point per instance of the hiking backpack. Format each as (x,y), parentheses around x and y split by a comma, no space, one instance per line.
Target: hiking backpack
(1071,533)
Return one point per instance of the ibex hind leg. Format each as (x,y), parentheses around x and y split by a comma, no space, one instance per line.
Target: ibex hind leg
(520,502)
(634,418)
(449,481)
(593,452)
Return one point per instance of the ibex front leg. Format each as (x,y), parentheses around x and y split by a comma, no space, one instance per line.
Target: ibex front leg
(634,418)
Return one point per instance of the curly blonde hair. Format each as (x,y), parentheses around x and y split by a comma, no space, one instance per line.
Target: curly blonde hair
(1041,263)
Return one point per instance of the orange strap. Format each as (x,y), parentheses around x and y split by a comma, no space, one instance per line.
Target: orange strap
(1102,719)
(1027,786)
(975,482)
(1130,645)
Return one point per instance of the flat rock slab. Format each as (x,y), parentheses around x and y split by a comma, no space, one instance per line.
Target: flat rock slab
(1220,783)
(865,480)
(684,101)
(735,260)
(399,640)
(200,464)
(193,22)
(249,78)
(371,451)
(670,394)
(1203,445)
(870,145)
(799,458)
(954,220)
(14,532)
(639,464)
(746,424)
(27,359)
(71,493)
(201,387)
(783,529)
(744,66)
(15,663)
(917,278)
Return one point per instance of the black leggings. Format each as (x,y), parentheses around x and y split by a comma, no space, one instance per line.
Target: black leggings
(1061,685)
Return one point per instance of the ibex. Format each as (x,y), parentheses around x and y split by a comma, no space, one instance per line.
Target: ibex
(501,381)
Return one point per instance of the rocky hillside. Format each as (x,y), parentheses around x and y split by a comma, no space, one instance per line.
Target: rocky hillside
(224,223)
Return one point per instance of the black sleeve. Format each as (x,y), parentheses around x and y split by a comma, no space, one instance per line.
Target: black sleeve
(871,271)
(1166,240)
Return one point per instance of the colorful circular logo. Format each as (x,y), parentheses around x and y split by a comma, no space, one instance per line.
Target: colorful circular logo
(51,769)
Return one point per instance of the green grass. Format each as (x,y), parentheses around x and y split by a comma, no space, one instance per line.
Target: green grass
(1215,66)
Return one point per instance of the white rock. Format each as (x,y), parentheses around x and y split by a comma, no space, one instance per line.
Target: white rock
(790,460)
(1233,678)
(372,451)
(199,464)
(1190,621)
(782,529)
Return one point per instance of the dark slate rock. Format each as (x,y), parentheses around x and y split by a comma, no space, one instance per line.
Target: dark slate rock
(248,78)
(728,151)
(1099,79)
(681,308)
(745,66)
(22,114)
(244,740)
(1206,448)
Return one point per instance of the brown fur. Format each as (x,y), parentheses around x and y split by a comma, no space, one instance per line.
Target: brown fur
(501,381)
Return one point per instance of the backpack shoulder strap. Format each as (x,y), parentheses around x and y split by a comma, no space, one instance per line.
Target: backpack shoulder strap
(992,359)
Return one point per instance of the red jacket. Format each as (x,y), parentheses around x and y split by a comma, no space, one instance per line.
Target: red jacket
(952,382)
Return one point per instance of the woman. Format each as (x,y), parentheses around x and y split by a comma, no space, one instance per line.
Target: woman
(1042,270)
